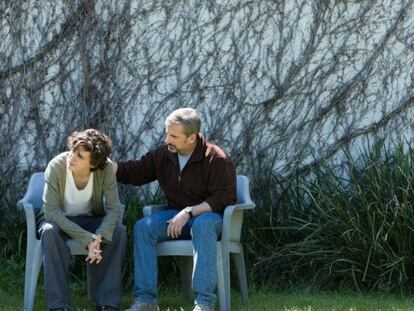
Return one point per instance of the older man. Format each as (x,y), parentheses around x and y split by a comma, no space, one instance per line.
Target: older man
(199,181)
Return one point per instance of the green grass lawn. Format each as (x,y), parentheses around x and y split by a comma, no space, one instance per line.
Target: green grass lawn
(260,299)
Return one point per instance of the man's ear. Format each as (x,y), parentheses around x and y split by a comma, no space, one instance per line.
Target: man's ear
(193,138)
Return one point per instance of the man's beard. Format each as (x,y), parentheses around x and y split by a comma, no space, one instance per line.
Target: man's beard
(172,148)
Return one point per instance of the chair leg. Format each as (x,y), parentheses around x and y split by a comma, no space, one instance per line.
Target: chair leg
(33,264)
(221,288)
(241,272)
(223,278)
(186,269)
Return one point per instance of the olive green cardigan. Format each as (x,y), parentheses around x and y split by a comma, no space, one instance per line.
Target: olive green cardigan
(104,188)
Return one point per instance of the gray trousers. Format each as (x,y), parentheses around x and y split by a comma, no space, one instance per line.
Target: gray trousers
(104,279)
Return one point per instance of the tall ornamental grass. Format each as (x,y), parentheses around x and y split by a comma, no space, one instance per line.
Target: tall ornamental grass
(12,228)
(329,231)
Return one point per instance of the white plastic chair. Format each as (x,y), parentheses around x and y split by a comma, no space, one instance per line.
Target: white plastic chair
(32,201)
(229,244)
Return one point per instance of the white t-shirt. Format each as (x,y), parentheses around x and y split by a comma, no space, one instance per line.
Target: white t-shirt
(77,202)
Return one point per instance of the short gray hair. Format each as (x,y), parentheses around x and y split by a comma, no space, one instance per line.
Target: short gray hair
(187,117)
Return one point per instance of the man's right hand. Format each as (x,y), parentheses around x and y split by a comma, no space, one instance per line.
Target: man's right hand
(176,224)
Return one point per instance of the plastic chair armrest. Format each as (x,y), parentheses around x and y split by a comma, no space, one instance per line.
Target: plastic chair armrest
(152,209)
(228,218)
(243,206)
(30,220)
(121,217)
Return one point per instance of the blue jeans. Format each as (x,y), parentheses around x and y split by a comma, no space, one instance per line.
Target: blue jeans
(204,230)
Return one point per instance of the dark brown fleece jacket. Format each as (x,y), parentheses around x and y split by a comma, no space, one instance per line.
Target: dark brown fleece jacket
(209,175)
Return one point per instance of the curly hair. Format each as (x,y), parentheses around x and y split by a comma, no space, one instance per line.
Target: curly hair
(95,142)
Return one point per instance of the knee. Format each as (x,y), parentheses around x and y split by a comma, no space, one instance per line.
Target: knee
(205,226)
(49,230)
(50,234)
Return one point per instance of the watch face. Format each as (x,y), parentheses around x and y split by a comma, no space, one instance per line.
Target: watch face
(188,211)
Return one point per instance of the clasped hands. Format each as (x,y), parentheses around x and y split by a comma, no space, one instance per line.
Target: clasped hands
(94,249)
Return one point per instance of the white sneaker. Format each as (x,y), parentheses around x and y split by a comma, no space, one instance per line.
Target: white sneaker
(142,306)
(199,307)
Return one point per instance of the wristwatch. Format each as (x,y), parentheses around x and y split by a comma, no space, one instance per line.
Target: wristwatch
(188,210)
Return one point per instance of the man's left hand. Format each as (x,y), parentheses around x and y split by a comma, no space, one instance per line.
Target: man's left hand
(176,224)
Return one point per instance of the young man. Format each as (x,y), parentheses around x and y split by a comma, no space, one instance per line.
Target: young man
(77,182)
(199,181)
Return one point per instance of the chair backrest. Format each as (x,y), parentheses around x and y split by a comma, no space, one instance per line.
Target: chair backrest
(243,197)
(34,191)
(243,192)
